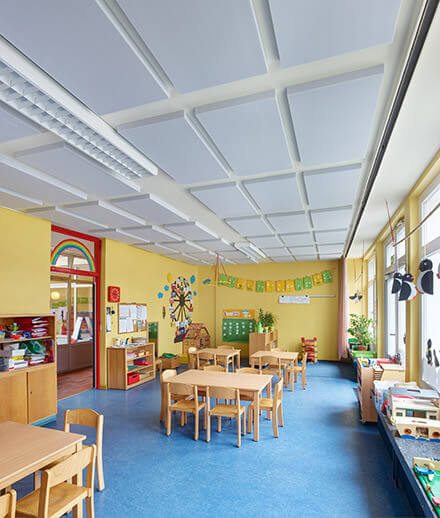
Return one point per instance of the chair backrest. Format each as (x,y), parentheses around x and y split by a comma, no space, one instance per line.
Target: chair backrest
(273,361)
(82,417)
(248,370)
(223,393)
(304,361)
(8,504)
(182,389)
(278,392)
(205,356)
(191,360)
(167,374)
(215,368)
(225,347)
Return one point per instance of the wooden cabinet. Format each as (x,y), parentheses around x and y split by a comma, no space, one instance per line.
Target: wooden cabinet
(262,341)
(42,385)
(13,397)
(365,378)
(78,355)
(121,363)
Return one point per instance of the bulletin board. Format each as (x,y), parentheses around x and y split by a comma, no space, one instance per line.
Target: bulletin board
(237,329)
(132,318)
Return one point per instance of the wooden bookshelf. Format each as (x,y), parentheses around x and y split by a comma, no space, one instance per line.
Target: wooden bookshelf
(365,386)
(121,358)
(29,394)
(262,341)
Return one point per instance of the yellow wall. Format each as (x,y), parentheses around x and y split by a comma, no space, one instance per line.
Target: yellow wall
(319,319)
(141,275)
(24,263)
(409,211)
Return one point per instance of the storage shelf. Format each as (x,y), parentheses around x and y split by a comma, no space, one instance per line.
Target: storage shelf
(26,369)
(118,363)
(143,380)
(140,367)
(5,341)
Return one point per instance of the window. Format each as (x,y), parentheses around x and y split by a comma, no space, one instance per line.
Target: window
(430,304)
(395,311)
(371,294)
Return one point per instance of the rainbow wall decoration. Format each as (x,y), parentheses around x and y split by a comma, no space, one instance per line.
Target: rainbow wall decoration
(72,243)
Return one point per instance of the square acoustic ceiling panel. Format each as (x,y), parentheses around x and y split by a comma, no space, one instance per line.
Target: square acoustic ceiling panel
(40,187)
(300,239)
(216,245)
(103,71)
(277,252)
(70,165)
(13,200)
(200,43)
(116,234)
(265,241)
(317,29)
(300,258)
(331,219)
(331,236)
(333,123)
(333,188)
(105,213)
(275,193)
(174,146)
(63,218)
(253,226)
(151,233)
(302,250)
(151,208)
(225,200)
(249,134)
(13,125)
(192,231)
(288,223)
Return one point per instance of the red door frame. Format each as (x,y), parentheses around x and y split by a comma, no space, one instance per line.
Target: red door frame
(97,277)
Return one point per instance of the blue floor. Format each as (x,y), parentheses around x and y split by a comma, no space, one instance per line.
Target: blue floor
(324,463)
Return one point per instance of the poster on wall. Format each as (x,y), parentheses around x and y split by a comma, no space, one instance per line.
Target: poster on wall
(294,299)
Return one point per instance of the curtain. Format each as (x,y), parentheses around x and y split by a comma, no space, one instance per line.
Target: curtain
(343,310)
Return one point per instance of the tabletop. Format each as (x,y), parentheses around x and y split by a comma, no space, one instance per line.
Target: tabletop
(26,448)
(250,382)
(218,352)
(284,355)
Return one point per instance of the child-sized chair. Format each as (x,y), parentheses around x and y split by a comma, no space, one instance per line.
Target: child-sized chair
(231,410)
(301,369)
(189,404)
(274,404)
(221,360)
(56,496)
(214,368)
(7,504)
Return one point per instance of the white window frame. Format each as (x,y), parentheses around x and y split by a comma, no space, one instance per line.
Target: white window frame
(425,251)
(371,282)
(397,347)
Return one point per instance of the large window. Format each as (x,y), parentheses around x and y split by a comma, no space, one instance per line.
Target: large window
(430,304)
(371,295)
(395,311)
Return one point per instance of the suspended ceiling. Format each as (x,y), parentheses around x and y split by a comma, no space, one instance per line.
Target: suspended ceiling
(246,128)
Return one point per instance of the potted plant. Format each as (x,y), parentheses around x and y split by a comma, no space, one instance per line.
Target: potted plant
(271,320)
(266,321)
(261,321)
(360,330)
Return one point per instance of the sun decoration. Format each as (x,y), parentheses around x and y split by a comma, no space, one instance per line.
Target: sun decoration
(181,306)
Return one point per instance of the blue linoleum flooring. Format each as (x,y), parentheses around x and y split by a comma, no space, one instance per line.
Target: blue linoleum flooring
(324,463)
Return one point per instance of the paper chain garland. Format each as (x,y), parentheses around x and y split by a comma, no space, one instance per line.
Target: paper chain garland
(303,283)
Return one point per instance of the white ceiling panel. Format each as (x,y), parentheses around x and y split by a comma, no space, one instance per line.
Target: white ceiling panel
(288,223)
(14,126)
(253,226)
(192,231)
(249,135)
(329,257)
(331,249)
(331,219)
(92,60)
(285,259)
(188,162)
(334,188)
(105,213)
(318,29)
(216,245)
(151,233)
(302,250)
(116,234)
(64,218)
(330,237)
(33,187)
(233,255)
(183,246)
(205,256)
(243,260)
(333,123)
(151,208)
(14,200)
(276,193)
(70,165)
(300,239)
(300,258)
(265,241)
(225,200)
(200,43)
(276,252)
(156,248)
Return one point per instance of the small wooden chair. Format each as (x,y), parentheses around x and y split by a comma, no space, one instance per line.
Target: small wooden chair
(221,360)
(192,363)
(249,370)
(274,404)
(88,417)
(225,410)
(8,503)
(185,405)
(274,363)
(301,369)
(215,368)
(204,358)
(56,496)
(166,374)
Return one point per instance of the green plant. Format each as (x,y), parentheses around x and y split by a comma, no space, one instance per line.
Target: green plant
(267,319)
(360,329)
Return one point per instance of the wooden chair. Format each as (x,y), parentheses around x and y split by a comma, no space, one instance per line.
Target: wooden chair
(185,405)
(215,368)
(8,503)
(56,496)
(166,374)
(231,410)
(301,369)
(88,417)
(204,359)
(274,404)
(225,361)
(249,370)
(192,363)
(274,366)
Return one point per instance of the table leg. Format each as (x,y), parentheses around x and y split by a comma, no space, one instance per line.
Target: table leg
(256,416)
(238,360)
(77,511)
(291,376)
(296,373)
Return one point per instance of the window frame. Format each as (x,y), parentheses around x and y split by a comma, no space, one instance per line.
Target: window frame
(371,282)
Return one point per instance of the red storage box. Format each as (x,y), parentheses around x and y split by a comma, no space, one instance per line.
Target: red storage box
(132,377)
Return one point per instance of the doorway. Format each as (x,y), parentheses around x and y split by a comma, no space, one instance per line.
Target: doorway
(74,300)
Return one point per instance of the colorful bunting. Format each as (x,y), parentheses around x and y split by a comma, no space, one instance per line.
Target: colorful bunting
(308,283)
(280,286)
(240,284)
(270,286)
(259,287)
(250,285)
(290,285)
(317,279)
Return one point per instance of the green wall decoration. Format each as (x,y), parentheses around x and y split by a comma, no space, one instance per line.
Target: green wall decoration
(299,285)
(259,286)
(308,283)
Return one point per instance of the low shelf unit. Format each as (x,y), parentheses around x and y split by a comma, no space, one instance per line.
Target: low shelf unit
(123,372)
(262,341)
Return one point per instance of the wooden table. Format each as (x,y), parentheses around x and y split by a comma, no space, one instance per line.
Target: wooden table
(25,449)
(286,356)
(225,354)
(254,383)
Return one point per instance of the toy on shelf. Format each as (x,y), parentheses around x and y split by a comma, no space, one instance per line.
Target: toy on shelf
(197,335)
(418,428)
(310,346)
(428,473)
